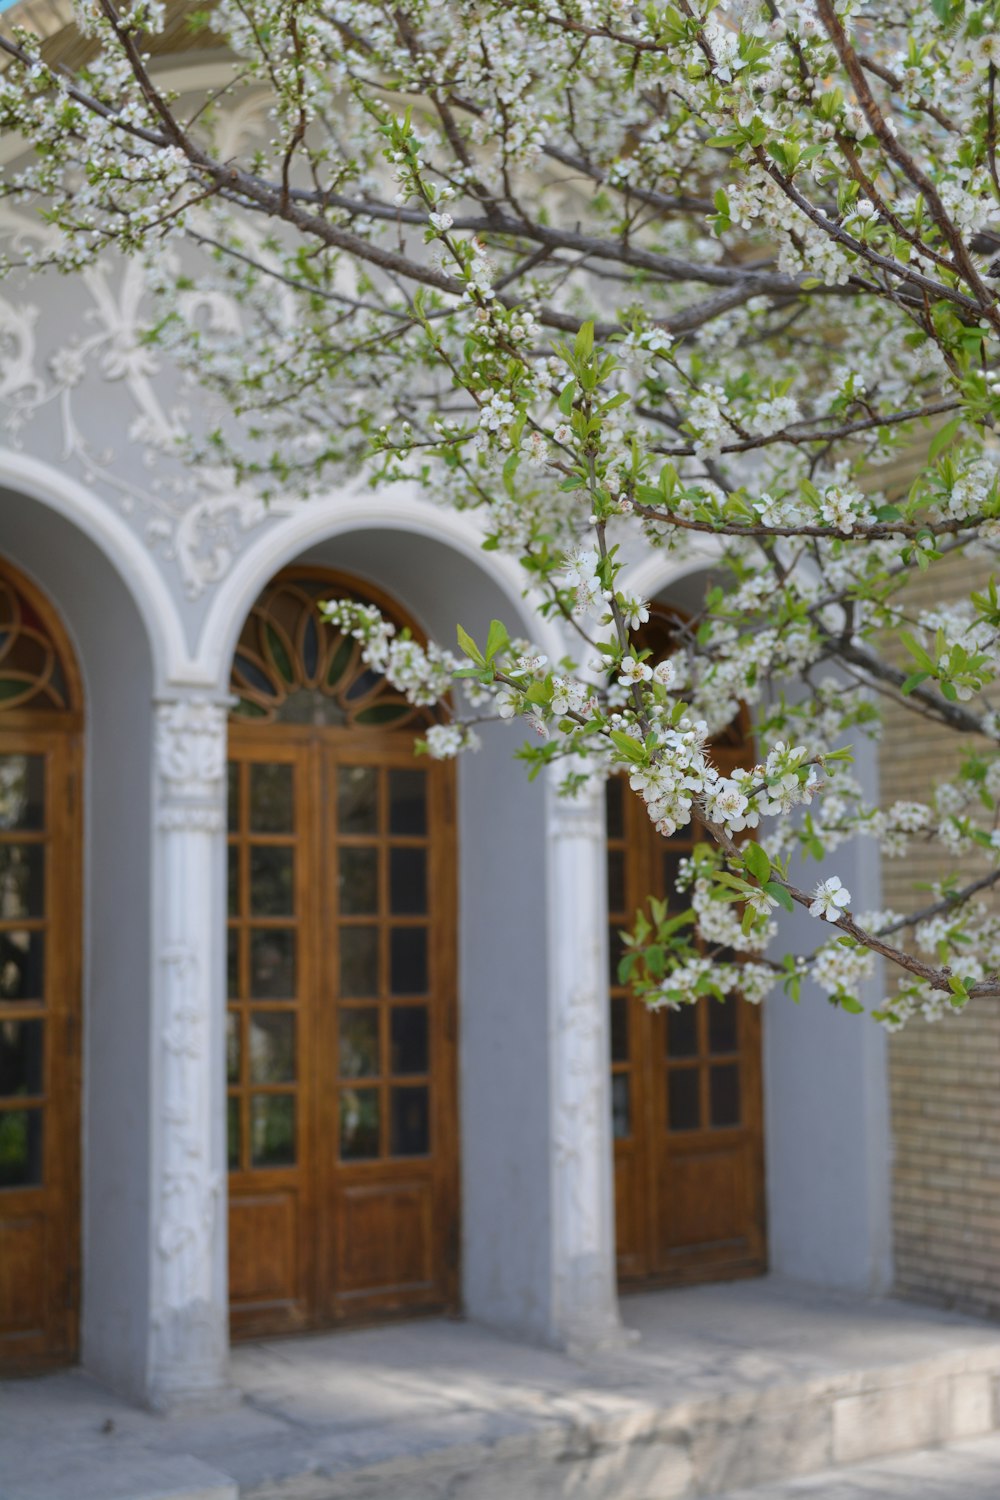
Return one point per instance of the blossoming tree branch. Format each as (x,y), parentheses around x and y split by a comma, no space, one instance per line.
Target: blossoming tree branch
(687,276)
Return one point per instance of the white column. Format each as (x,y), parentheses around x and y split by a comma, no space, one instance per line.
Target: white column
(585,1302)
(189,1313)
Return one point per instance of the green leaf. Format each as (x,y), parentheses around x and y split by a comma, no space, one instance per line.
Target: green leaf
(757,862)
(917,652)
(565,402)
(943,438)
(852,1006)
(656,961)
(497,639)
(470,648)
(625,967)
(627,746)
(584,344)
(780,895)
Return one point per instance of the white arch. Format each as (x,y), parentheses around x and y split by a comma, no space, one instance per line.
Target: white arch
(657,570)
(317,521)
(97,521)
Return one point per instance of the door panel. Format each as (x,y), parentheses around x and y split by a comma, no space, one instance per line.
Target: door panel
(263,1251)
(343,1041)
(385,1244)
(39,1077)
(390,1186)
(686,1097)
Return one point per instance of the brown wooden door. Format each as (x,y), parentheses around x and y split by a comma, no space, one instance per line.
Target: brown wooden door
(686,1097)
(39,1031)
(39,983)
(342,1010)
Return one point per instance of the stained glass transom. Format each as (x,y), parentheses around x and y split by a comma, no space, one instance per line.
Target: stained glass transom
(292,667)
(33,673)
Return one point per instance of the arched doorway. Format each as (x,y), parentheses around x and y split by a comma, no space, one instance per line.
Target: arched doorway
(343,1199)
(41,722)
(685,1085)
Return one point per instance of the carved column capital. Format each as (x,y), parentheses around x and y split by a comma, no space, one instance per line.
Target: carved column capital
(190,749)
(580,816)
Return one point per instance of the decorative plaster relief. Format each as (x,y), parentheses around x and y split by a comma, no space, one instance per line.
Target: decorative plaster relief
(580,1044)
(54,374)
(580,816)
(191,760)
(190,1189)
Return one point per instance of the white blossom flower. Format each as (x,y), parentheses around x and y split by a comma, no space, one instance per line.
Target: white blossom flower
(725,803)
(830,899)
(632,671)
(445,741)
(761,902)
(508,702)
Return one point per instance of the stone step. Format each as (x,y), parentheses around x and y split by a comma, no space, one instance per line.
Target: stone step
(61,1471)
(704,1446)
(728,1387)
(961,1471)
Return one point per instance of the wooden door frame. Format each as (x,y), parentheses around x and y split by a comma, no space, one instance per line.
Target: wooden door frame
(58,735)
(313,748)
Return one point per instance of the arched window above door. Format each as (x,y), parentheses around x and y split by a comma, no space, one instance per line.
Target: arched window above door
(292,667)
(37,672)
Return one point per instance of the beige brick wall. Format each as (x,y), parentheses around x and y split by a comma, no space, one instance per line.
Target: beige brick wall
(944,1078)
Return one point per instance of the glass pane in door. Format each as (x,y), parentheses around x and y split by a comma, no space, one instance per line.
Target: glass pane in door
(22,793)
(23,938)
(263,966)
(383,898)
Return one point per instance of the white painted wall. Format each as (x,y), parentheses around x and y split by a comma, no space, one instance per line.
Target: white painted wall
(826,1109)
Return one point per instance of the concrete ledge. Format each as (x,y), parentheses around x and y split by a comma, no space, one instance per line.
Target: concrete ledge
(963,1471)
(61,1473)
(696,1448)
(729,1388)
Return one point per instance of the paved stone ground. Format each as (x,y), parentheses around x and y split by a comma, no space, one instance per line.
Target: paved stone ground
(728,1385)
(962,1471)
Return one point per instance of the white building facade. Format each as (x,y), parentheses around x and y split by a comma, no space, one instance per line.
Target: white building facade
(380,1075)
